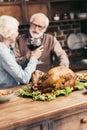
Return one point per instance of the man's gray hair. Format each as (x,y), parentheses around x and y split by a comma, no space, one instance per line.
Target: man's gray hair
(42,16)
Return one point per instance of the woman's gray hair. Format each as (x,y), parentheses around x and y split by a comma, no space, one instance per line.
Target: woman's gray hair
(8,26)
(42,16)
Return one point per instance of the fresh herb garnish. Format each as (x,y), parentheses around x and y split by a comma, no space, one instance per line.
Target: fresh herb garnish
(35,95)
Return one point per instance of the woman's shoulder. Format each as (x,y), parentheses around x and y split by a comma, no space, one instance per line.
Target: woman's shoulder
(2,46)
(4,50)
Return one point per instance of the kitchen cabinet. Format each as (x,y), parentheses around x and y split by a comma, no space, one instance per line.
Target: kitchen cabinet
(37,6)
(23,9)
(14,9)
(63,27)
(63,8)
(76,121)
(67,6)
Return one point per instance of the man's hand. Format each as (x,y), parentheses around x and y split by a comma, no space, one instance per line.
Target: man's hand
(38,52)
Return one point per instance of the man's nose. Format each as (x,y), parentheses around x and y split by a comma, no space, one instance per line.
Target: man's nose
(36,28)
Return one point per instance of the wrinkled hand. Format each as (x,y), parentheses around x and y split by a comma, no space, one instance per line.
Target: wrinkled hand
(38,52)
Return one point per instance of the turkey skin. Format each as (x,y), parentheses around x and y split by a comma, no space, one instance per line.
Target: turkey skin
(56,78)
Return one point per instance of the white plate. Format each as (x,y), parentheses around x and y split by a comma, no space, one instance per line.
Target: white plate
(83,38)
(8,96)
(73,41)
(82,15)
(76,41)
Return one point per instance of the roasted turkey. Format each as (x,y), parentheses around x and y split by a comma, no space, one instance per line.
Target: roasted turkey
(56,78)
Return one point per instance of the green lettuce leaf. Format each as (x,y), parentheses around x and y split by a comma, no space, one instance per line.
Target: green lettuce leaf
(48,97)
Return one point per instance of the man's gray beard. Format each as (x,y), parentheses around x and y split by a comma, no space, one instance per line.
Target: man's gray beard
(36,35)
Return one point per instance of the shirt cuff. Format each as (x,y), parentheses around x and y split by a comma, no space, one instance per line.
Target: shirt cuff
(33,60)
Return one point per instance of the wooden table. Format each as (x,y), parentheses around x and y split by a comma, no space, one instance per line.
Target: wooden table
(82,72)
(63,113)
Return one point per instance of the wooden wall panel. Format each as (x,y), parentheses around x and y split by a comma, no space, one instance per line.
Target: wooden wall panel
(22,10)
(12,10)
(37,8)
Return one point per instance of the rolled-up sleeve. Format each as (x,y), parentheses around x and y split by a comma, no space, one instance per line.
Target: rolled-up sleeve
(11,66)
(60,53)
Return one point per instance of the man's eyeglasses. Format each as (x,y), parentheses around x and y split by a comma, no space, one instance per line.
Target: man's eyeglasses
(36,25)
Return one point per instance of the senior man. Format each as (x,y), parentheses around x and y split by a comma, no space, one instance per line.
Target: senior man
(36,36)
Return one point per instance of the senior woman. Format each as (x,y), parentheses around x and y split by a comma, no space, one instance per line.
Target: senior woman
(11,73)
